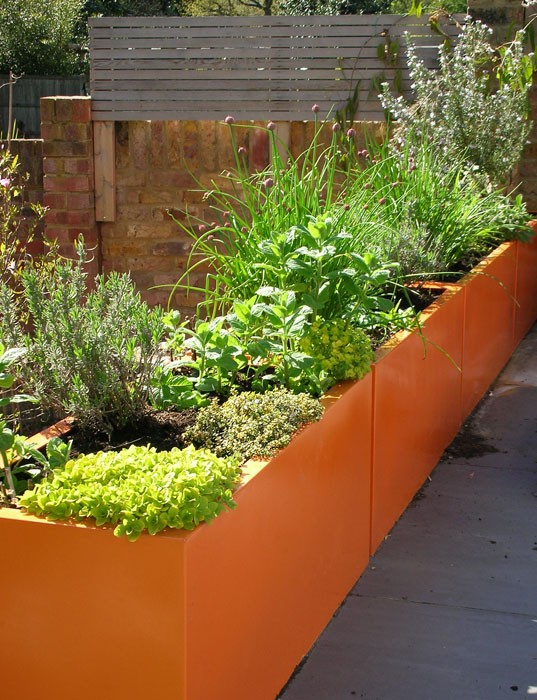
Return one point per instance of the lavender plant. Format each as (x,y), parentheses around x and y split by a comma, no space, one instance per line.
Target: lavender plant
(474,107)
(89,354)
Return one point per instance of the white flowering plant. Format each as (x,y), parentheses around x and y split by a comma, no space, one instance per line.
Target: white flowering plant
(475,106)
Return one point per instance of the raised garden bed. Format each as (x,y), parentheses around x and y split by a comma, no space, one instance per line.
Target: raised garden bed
(228,610)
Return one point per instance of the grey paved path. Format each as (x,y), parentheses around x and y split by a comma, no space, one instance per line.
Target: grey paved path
(447,609)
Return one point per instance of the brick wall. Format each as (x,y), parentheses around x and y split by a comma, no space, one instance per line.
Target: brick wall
(67,133)
(30,155)
(158,168)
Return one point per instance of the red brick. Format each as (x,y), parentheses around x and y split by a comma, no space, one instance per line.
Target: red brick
(170,248)
(168,179)
(52,132)
(133,213)
(157,145)
(54,200)
(56,216)
(52,166)
(35,247)
(66,184)
(57,233)
(48,109)
(191,144)
(114,248)
(64,109)
(160,196)
(81,109)
(123,156)
(89,233)
(81,218)
(131,179)
(207,135)
(76,166)
(174,135)
(80,200)
(61,149)
(138,136)
(78,132)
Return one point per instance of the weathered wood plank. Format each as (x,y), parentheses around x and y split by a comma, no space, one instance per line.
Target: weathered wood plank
(252,84)
(254,115)
(256,21)
(191,40)
(105,171)
(294,52)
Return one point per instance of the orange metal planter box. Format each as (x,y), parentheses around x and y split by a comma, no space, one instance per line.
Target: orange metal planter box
(417,408)
(526,286)
(225,611)
(489,322)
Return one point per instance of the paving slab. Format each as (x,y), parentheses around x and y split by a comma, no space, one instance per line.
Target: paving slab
(447,609)
(380,649)
(466,548)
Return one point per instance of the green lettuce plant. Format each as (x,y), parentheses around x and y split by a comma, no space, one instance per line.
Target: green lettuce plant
(138,489)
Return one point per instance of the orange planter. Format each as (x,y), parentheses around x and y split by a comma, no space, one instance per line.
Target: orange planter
(526,286)
(417,408)
(489,322)
(225,611)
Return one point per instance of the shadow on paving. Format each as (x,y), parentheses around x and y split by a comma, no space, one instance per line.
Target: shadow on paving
(447,609)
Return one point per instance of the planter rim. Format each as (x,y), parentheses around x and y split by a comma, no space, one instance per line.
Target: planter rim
(502,249)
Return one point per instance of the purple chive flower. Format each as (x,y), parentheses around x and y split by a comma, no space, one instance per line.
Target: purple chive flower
(366,206)
(367,186)
(382,200)
(351,133)
(336,127)
(202,228)
(5,182)
(244,229)
(241,151)
(271,126)
(269,182)
(229,119)
(213,224)
(210,237)
(346,207)
(315,109)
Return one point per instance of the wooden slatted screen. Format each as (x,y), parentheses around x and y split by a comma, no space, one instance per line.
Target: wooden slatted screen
(174,68)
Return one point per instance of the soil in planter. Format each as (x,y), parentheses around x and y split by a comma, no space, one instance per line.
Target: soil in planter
(161,429)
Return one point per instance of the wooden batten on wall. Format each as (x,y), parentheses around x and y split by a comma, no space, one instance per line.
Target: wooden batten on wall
(104,145)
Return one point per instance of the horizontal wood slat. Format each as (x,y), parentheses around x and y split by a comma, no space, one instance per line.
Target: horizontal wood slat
(253,67)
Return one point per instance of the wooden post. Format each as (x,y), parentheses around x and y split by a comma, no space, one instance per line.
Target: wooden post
(104,149)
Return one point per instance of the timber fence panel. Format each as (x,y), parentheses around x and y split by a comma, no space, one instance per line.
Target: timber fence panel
(203,68)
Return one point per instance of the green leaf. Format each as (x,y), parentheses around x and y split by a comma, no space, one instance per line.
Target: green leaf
(7,439)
